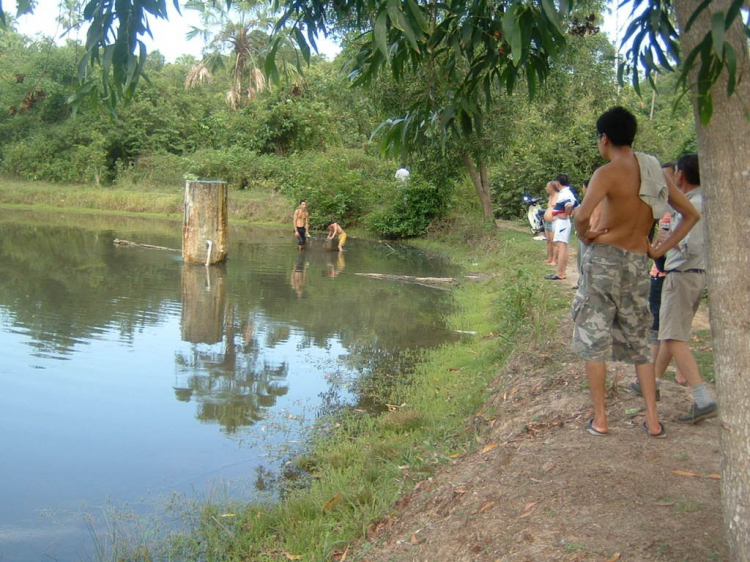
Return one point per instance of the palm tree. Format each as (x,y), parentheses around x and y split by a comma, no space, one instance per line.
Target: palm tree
(236,39)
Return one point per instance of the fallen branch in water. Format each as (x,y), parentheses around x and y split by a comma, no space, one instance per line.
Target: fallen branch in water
(119,242)
(410,279)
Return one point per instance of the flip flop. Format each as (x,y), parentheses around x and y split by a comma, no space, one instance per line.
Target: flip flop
(554,278)
(593,431)
(661,435)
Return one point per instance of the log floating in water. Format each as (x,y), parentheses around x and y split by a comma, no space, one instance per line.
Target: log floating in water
(410,279)
(118,242)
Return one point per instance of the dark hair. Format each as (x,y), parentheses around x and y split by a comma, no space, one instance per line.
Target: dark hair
(689,165)
(619,125)
(329,223)
(302,201)
(563,179)
(586,183)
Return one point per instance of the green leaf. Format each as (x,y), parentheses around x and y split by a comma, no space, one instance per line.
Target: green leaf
(24,7)
(705,108)
(393,12)
(551,12)
(302,44)
(510,25)
(691,20)
(717,32)
(381,33)
(733,11)
(731,62)
(516,45)
(408,31)
(418,15)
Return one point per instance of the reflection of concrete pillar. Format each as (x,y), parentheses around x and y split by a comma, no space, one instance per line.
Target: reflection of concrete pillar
(204,229)
(203,300)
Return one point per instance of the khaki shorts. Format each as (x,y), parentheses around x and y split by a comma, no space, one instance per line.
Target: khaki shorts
(610,309)
(680,298)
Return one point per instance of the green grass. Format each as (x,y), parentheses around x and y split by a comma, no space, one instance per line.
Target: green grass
(245,205)
(700,345)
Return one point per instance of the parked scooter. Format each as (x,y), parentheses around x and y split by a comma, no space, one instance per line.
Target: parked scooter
(535,213)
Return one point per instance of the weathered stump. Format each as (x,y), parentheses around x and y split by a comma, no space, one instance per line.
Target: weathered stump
(203,303)
(204,229)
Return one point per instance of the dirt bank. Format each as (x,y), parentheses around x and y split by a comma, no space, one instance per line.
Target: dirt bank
(539,488)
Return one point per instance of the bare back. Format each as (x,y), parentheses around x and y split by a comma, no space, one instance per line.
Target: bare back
(626,219)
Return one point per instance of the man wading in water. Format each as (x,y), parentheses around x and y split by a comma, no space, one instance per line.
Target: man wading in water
(610,309)
(300,220)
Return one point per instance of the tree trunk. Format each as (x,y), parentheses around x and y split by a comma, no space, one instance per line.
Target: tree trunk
(204,230)
(724,151)
(481,184)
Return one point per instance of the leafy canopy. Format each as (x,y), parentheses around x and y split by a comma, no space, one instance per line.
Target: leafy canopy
(477,43)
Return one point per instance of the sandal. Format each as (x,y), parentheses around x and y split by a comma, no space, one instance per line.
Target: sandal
(661,435)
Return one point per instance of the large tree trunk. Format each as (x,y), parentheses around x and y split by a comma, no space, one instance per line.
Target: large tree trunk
(724,151)
(481,183)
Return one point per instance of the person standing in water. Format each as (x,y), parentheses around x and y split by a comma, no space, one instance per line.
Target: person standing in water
(301,223)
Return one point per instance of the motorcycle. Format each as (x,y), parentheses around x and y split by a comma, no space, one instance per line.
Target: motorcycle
(535,213)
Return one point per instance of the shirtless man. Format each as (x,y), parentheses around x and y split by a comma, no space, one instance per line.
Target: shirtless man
(301,223)
(333,230)
(610,309)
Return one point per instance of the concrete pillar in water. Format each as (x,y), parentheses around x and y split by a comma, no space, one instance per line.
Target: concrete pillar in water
(204,229)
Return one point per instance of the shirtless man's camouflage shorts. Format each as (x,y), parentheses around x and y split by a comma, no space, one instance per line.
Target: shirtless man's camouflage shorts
(610,309)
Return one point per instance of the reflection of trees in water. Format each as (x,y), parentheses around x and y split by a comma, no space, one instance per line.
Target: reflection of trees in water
(232,397)
(226,380)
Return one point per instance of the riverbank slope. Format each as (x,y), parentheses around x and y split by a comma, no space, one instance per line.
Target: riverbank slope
(538,487)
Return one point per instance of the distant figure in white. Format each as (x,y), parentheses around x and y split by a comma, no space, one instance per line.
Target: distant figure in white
(402,174)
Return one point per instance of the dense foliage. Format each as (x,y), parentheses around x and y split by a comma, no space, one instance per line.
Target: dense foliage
(309,136)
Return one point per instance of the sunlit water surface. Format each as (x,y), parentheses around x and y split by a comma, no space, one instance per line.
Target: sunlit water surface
(127,376)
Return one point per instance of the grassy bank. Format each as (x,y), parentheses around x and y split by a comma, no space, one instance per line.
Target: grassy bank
(358,464)
(253,206)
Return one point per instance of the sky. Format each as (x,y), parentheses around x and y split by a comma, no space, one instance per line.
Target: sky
(169,35)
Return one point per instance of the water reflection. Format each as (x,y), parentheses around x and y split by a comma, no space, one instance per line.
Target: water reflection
(126,371)
(204,298)
(299,274)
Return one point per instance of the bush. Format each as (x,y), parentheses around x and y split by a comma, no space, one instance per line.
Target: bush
(154,170)
(416,205)
(61,154)
(341,186)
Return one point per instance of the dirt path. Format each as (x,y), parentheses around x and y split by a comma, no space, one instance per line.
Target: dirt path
(539,488)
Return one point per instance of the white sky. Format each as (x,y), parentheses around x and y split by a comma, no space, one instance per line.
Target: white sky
(169,36)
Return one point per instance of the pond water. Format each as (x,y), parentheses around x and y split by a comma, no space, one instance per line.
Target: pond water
(128,376)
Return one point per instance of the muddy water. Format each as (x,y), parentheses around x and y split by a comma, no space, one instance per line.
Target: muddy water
(128,376)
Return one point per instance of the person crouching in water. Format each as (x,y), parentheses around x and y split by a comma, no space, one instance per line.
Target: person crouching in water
(333,230)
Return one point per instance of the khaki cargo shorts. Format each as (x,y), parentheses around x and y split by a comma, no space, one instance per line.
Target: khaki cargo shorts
(680,298)
(610,309)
